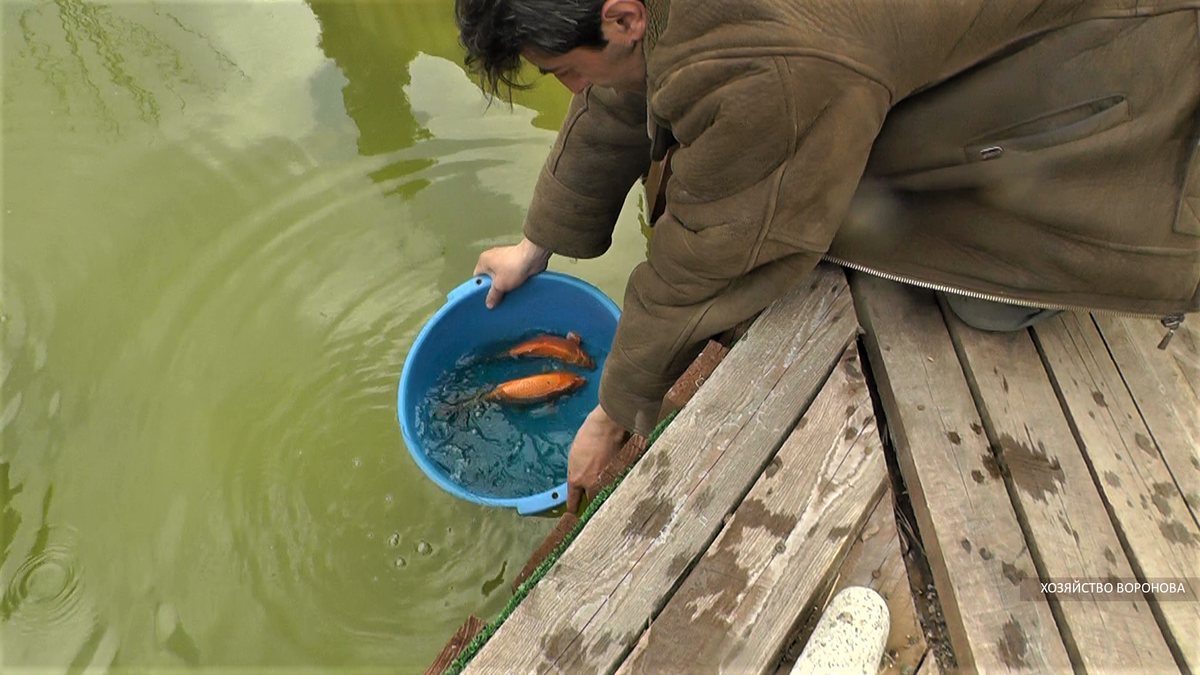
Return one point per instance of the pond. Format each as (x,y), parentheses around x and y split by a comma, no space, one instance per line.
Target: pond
(223,226)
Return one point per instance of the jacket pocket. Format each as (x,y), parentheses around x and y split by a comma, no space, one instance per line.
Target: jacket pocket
(1056,128)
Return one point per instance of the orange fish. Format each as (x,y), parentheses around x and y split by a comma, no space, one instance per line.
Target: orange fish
(536,388)
(568,350)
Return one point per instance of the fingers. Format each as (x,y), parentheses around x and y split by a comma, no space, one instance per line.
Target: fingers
(492,262)
(574,498)
(494,296)
(486,263)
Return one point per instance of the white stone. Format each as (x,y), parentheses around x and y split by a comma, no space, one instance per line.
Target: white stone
(850,637)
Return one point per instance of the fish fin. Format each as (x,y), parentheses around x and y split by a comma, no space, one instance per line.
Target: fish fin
(574,337)
(543,410)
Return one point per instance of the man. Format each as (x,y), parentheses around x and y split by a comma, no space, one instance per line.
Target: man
(1024,156)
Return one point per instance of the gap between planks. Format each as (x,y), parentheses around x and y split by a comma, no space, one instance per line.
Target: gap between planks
(737,606)
(968,528)
(1165,386)
(591,607)
(875,560)
(1155,526)
(1058,505)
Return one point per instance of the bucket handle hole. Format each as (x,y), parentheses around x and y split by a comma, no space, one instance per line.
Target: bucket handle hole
(554,495)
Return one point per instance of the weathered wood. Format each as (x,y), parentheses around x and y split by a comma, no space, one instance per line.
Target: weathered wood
(629,453)
(876,561)
(564,527)
(591,607)
(734,334)
(736,608)
(456,644)
(689,383)
(930,665)
(1165,385)
(1066,525)
(967,527)
(1160,536)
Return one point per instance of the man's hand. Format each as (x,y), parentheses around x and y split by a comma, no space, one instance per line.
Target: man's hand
(510,266)
(595,445)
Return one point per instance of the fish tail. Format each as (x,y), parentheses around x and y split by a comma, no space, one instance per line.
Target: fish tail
(450,409)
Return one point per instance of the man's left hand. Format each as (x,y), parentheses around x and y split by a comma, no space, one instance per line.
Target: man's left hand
(595,445)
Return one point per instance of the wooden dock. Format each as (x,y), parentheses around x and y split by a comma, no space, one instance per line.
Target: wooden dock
(970,467)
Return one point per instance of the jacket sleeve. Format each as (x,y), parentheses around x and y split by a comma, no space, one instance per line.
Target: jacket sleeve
(602,148)
(771,151)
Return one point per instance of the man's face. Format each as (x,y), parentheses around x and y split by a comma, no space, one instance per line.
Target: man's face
(617,66)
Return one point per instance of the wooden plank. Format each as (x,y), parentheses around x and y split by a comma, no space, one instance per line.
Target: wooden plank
(457,643)
(690,382)
(930,665)
(1152,520)
(592,606)
(1066,525)
(564,527)
(736,608)
(629,453)
(626,457)
(876,561)
(1165,384)
(942,451)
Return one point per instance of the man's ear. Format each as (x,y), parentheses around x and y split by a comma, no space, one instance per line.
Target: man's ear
(623,21)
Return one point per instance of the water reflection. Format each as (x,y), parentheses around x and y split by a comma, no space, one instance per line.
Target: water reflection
(224,224)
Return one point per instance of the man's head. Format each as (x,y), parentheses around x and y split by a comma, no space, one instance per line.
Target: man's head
(580,42)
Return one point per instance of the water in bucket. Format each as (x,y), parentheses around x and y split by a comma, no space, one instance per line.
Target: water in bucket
(499,450)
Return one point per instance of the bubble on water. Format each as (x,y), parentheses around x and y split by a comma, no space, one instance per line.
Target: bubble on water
(370,535)
(424,548)
(394,540)
(388,498)
(449,530)
(356,462)
(401,562)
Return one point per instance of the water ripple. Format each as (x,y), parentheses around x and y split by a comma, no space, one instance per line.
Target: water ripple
(44,593)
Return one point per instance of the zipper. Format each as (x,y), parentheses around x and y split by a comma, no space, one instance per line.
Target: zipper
(1171,322)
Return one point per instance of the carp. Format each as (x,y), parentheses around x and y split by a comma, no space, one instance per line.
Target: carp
(569,350)
(535,388)
(524,391)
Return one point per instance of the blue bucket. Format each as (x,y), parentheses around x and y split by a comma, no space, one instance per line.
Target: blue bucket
(550,301)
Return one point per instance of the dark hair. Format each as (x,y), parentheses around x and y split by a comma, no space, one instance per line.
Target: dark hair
(495,32)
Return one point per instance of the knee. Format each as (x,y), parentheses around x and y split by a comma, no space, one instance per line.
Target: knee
(996,317)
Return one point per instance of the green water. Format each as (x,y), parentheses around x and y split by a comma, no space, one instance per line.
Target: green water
(223,225)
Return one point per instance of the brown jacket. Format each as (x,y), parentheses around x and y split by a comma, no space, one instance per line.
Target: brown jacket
(1036,151)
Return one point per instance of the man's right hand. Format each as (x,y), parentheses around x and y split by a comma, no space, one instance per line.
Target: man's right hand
(511,266)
